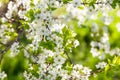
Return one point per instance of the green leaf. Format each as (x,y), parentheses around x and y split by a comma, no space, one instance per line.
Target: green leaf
(107,68)
(30,14)
(48,45)
(116,60)
(50,60)
(66,1)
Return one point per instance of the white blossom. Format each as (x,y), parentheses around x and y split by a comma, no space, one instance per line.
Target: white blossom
(14,49)
(101,65)
(59,60)
(76,43)
(57,27)
(45,35)
(1,4)
(3,75)
(118,27)
(118,13)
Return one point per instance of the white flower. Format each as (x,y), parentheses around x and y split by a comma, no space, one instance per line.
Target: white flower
(10,5)
(14,49)
(8,14)
(108,20)
(69,8)
(35,2)
(46,15)
(86,71)
(76,43)
(75,74)
(105,38)
(2,75)
(118,27)
(95,27)
(29,76)
(115,51)
(57,27)
(93,43)
(59,60)
(21,13)
(76,3)
(30,67)
(118,13)
(101,65)
(64,74)
(1,4)
(104,1)
(77,67)
(94,52)
(26,54)
(3,20)
(80,72)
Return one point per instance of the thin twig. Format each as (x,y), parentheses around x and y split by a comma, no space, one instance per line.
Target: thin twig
(6,49)
(96,71)
(69,58)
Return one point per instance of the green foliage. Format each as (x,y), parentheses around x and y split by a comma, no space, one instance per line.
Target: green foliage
(30,14)
(48,44)
(66,1)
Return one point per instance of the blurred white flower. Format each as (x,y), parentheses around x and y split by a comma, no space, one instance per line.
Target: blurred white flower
(2,75)
(14,49)
(118,27)
(59,60)
(76,43)
(101,65)
(94,52)
(57,27)
(118,13)
(95,27)
(1,4)
(76,3)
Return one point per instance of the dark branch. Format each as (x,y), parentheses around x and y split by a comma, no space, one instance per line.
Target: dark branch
(69,58)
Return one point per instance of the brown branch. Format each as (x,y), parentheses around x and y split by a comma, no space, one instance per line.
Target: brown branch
(69,58)
(96,71)
(8,45)
(3,9)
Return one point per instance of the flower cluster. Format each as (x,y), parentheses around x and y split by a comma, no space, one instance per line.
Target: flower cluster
(39,30)
(101,65)
(3,75)
(52,66)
